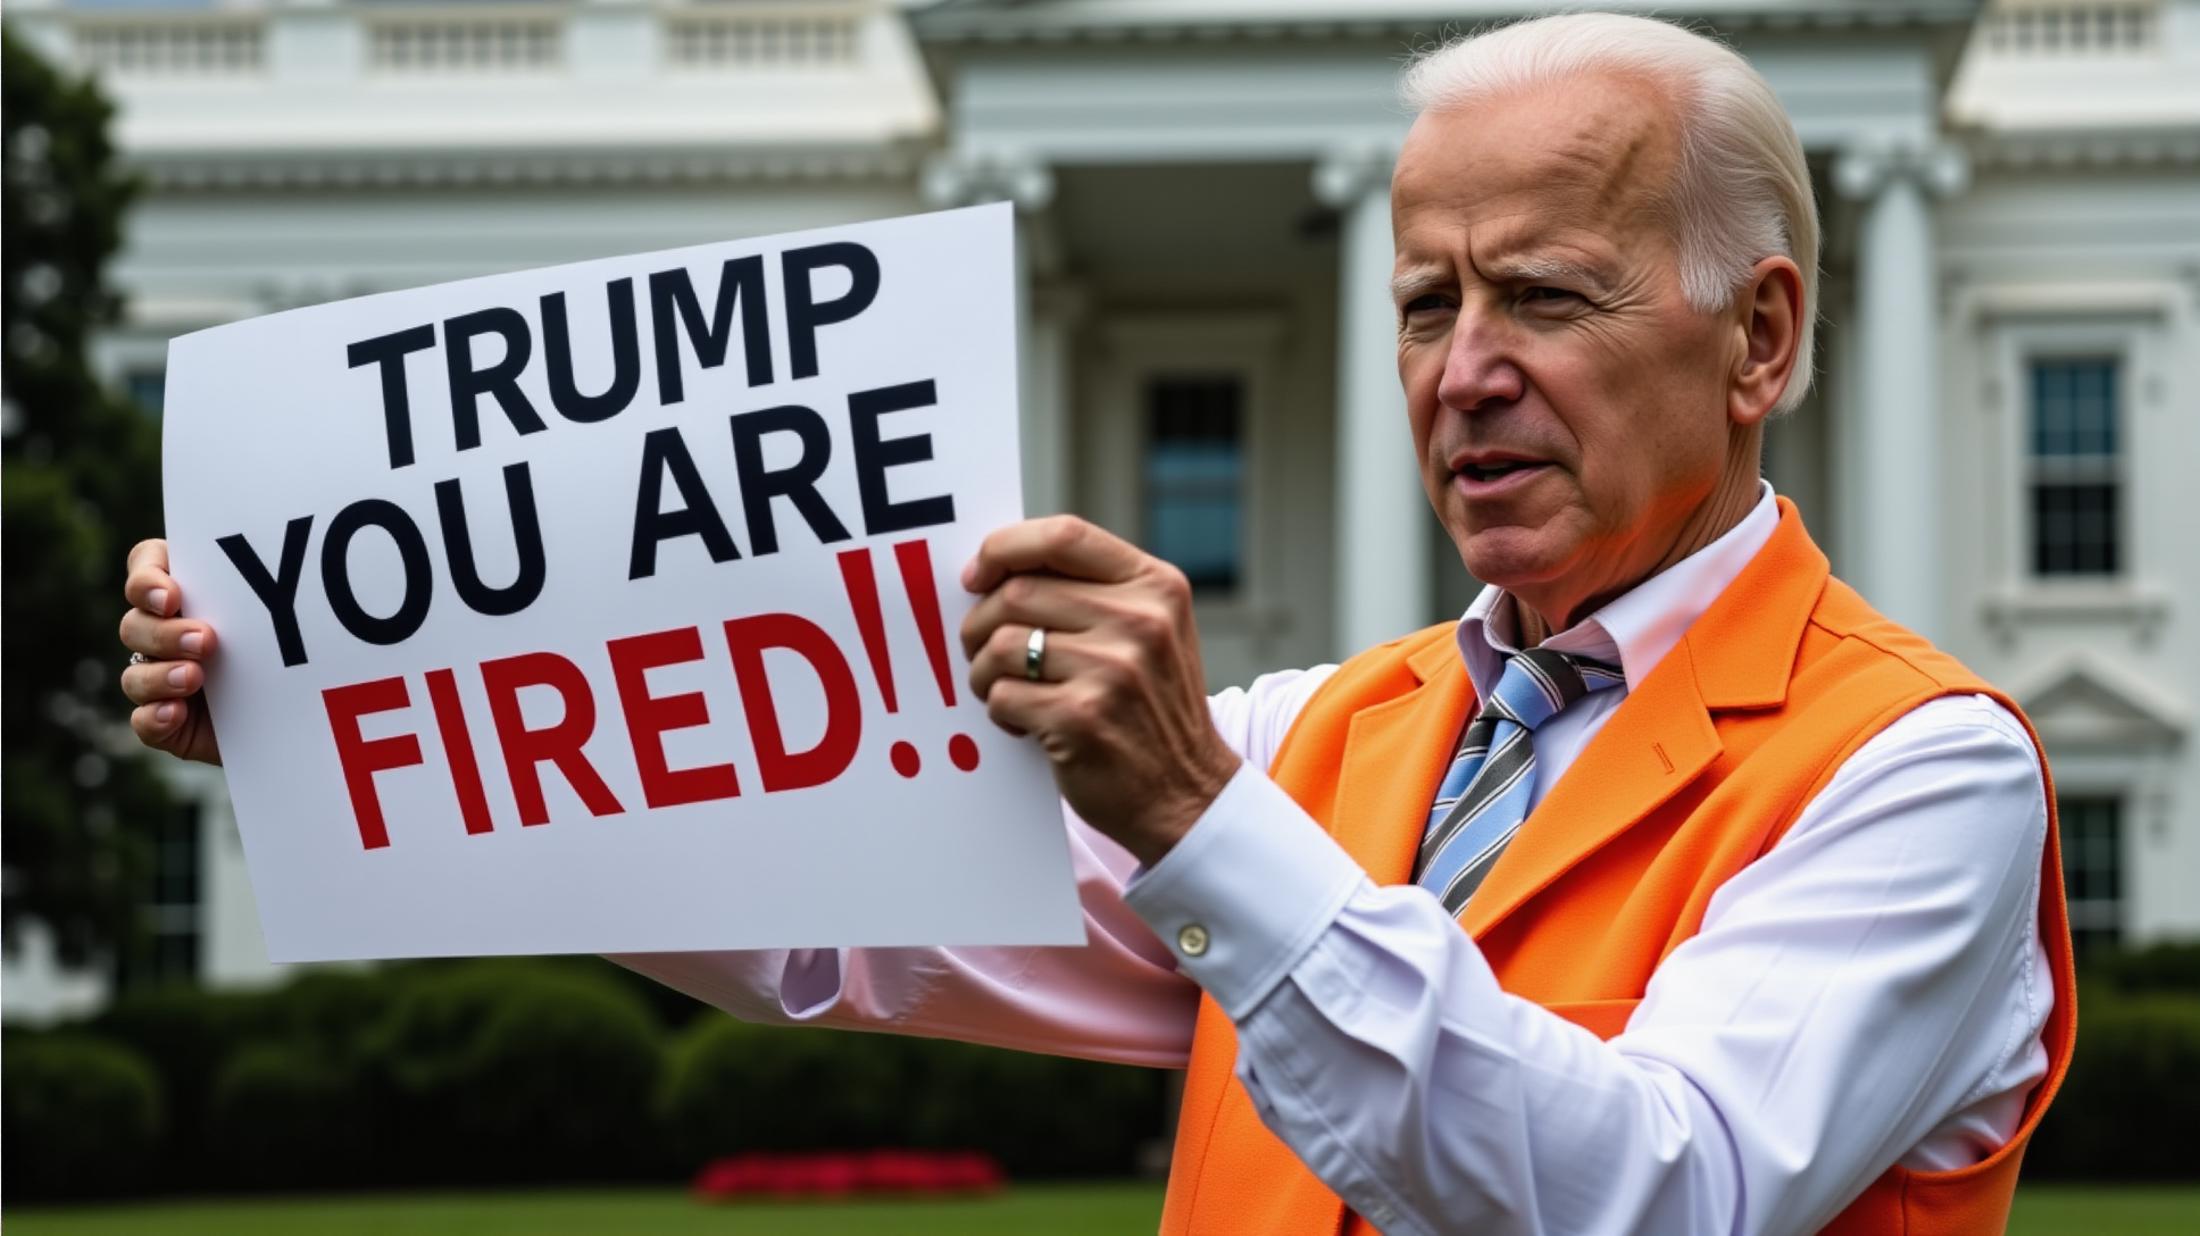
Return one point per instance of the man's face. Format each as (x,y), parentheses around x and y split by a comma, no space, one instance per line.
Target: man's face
(1568,405)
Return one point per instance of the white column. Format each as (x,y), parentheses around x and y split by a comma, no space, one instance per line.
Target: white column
(960,179)
(1891,493)
(1382,516)
(1047,383)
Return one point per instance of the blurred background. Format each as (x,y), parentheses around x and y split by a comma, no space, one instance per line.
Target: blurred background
(1999,452)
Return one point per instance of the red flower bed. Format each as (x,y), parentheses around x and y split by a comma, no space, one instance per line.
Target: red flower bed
(840,1173)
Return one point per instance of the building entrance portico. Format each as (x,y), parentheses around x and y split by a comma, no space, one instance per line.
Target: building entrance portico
(1179,377)
(1201,401)
(1206,167)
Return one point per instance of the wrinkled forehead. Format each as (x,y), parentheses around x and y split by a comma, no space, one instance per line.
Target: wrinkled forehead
(1594,154)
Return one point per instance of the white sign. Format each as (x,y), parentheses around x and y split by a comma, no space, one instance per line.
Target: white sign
(613,607)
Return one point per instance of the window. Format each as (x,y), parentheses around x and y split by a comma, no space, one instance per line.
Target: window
(463,44)
(2093,874)
(2074,447)
(747,40)
(215,43)
(2067,28)
(169,951)
(146,388)
(1194,472)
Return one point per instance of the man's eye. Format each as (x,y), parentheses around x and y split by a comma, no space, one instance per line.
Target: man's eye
(1422,303)
(1549,295)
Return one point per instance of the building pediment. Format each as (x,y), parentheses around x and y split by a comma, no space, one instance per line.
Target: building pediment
(2085,701)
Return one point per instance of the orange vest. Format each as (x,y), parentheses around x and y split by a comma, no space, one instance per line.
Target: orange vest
(1699,771)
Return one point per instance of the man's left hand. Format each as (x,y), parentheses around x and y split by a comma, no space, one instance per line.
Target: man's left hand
(1121,705)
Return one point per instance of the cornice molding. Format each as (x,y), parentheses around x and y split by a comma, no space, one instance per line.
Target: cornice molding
(989,22)
(411,168)
(2018,151)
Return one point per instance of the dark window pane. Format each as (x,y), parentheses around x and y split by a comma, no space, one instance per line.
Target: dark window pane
(176,858)
(146,388)
(2074,529)
(2074,439)
(1194,473)
(2074,407)
(175,958)
(168,952)
(2093,873)
(170,909)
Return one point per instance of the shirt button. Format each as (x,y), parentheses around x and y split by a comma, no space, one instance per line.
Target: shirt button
(1192,939)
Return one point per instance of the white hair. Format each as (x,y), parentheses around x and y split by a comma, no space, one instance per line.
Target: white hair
(1742,192)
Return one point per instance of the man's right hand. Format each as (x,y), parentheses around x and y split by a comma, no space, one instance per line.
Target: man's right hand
(171,713)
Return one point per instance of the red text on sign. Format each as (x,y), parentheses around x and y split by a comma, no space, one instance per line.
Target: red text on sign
(560,746)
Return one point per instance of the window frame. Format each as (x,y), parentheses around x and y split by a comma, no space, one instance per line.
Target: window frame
(2142,773)
(1240,631)
(2117,932)
(1136,350)
(2030,465)
(1242,413)
(2014,324)
(173,949)
(2070,340)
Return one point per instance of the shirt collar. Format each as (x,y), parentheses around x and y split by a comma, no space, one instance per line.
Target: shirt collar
(1634,630)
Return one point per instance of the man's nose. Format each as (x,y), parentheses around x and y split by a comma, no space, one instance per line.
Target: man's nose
(1480,370)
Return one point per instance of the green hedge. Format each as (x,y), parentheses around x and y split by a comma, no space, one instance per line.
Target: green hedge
(288,1115)
(565,1069)
(732,1087)
(82,1118)
(2157,968)
(2131,1105)
(1044,1115)
(516,1072)
(185,1035)
(483,1071)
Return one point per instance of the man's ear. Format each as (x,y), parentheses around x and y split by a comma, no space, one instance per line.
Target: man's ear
(1768,311)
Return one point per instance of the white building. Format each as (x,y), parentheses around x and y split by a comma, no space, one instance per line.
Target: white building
(1996,455)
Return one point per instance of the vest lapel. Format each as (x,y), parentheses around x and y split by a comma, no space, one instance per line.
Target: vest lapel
(1395,754)
(1737,655)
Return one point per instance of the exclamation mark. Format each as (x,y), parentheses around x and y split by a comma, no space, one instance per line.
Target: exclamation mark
(915,560)
(861,584)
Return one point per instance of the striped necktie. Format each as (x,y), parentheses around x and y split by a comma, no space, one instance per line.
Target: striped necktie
(1484,795)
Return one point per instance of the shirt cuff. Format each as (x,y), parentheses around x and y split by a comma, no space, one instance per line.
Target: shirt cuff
(1246,892)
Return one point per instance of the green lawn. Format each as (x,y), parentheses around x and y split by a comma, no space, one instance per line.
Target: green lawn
(2106,1210)
(1058,1210)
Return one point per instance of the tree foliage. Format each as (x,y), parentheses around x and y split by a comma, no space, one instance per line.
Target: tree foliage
(80,484)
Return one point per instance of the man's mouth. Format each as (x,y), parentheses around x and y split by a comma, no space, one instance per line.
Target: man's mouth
(1495,469)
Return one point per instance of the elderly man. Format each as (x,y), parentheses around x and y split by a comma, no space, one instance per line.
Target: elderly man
(1671,889)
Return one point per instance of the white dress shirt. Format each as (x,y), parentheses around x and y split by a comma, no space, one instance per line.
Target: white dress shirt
(1871,990)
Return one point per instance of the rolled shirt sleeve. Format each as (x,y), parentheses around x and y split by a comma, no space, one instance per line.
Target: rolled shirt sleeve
(1119,997)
